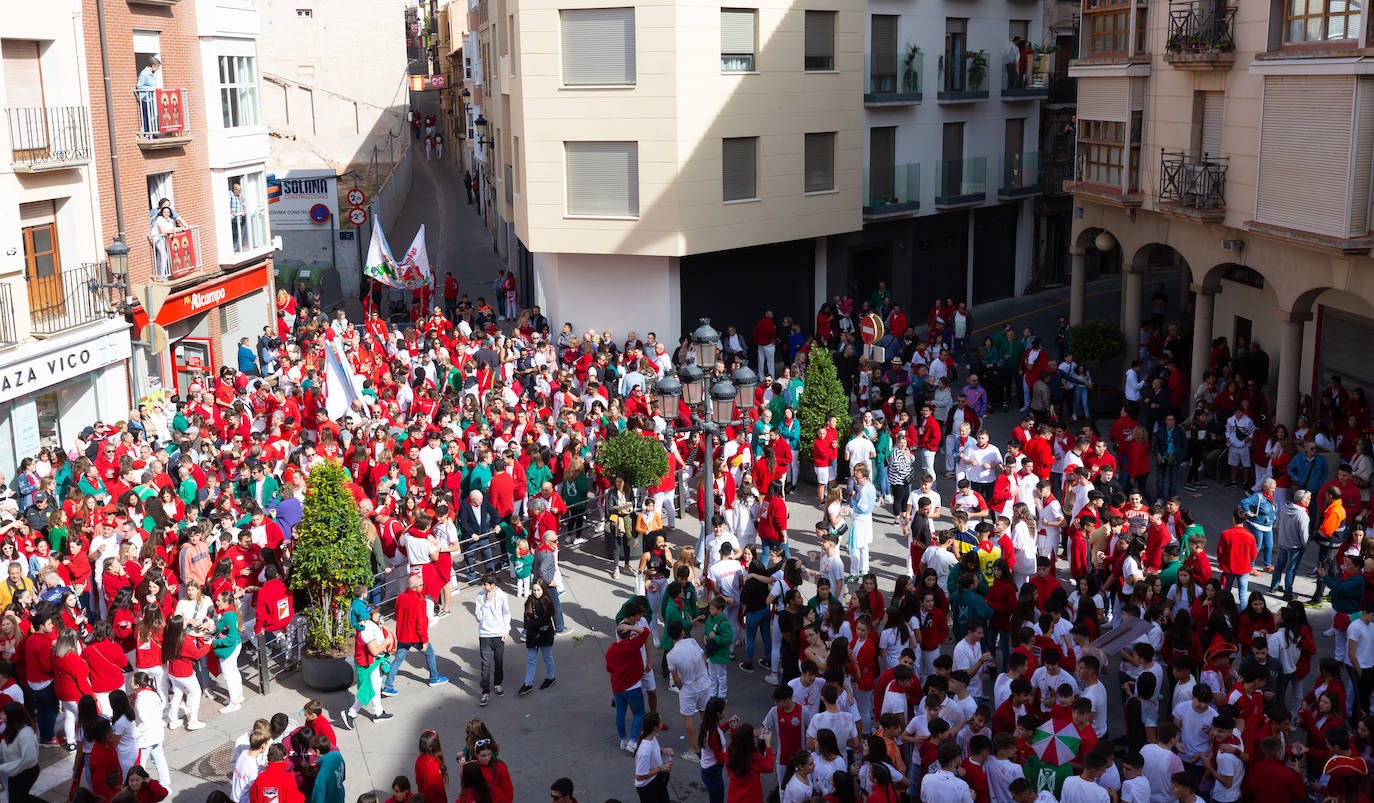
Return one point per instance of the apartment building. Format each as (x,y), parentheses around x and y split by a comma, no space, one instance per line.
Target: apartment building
(666,160)
(187,128)
(951,166)
(334,94)
(1235,142)
(64,350)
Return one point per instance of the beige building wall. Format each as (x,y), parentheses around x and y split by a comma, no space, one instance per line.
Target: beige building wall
(680,108)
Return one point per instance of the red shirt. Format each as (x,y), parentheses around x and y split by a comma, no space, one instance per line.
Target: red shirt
(275,784)
(412,618)
(748,788)
(1236,550)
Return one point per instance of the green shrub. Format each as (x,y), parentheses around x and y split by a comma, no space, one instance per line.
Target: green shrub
(822,396)
(641,461)
(329,556)
(1096,341)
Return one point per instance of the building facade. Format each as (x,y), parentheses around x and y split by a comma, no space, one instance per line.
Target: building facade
(64,350)
(1235,142)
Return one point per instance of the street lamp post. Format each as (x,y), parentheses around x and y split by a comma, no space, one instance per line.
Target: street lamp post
(709,415)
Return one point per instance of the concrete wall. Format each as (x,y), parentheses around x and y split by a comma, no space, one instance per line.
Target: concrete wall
(641,292)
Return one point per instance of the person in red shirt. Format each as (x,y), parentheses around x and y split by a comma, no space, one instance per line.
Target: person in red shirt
(772,521)
(431,773)
(412,633)
(1156,538)
(107,777)
(275,783)
(1236,553)
(273,611)
(823,456)
(1269,779)
(979,748)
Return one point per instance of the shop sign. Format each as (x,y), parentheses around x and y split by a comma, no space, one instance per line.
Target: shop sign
(299,192)
(190,303)
(68,362)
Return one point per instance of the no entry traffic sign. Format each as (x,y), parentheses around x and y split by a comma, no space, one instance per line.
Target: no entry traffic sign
(870,328)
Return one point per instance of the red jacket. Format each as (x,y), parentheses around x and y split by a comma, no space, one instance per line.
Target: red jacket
(106,776)
(273,607)
(275,784)
(429,778)
(71,677)
(1270,781)
(193,648)
(1236,550)
(412,619)
(772,522)
(501,495)
(38,661)
(107,662)
(625,662)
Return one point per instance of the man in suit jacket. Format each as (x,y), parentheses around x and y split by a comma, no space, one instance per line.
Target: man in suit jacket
(477,520)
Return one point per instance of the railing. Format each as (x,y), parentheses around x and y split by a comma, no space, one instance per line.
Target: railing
(891,189)
(9,332)
(962,181)
(47,137)
(1200,27)
(964,75)
(1194,182)
(163,114)
(1020,174)
(63,300)
(175,254)
(894,85)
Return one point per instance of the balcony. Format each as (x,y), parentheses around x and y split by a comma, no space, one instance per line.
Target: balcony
(1201,36)
(1033,86)
(44,138)
(1192,186)
(889,86)
(63,300)
(963,77)
(175,254)
(1020,177)
(164,118)
(1102,184)
(963,182)
(891,191)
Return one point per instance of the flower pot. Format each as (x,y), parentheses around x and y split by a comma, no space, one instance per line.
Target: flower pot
(326,674)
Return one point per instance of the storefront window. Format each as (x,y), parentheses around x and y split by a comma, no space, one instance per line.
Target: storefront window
(49,418)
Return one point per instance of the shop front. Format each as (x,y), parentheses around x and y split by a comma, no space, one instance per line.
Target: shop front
(52,389)
(204,324)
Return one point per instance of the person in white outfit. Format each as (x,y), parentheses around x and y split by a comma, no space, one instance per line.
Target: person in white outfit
(861,521)
(149,732)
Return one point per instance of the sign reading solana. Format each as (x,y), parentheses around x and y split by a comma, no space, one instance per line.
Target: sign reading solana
(298,192)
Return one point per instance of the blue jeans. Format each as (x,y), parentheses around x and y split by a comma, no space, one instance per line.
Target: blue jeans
(1080,400)
(713,779)
(1286,566)
(1166,475)
(558,610)
(883,487)
(44,701)
(754,622)
(633,700)
(402,650)
(1264,541)
(533,656)
(1240,582)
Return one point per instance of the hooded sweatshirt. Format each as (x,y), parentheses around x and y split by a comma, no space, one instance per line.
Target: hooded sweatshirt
(1291,530)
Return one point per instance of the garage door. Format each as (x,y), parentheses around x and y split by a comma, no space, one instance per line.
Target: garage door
(1343,349)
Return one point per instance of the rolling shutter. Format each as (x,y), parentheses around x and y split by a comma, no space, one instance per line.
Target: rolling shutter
(603,178)
(737,31)
(1305,160)
(884,50)
(739,174)
(598,46)
(820,40)
(1213,106)
(1104,99)
(23,76)
(820,162)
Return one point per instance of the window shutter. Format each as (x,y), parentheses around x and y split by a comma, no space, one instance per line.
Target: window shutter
(1213,106)
(23,77)
(737,31)
(739,157)
(598,46)
(820,37)
(603,178)
(884,44)
(820,162)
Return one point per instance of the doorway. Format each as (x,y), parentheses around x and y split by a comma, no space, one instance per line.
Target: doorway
(192,359)
(866,269)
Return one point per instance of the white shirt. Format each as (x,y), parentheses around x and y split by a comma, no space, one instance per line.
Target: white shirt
(1077,790)
(1195,735)
(688,660)
(246,771)
(725,576)
(943,786)
(966,656)
(1135,790)
(941,560)
(1158,771)
(1228,764)
(1360,644)
(981,465)
(860,450)
(648,757)
(1048,685)
(808,697)
(1097,693)
(840,722)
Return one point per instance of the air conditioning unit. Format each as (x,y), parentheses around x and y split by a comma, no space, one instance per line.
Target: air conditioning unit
(1232,245)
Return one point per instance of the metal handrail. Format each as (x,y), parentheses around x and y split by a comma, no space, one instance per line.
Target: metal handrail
(1200,27)
(42,136)
(64,299)
(1196,182)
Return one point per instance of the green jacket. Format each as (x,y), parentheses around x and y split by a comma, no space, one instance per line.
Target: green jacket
(524,565)
(673,613)
(188,491)
(968,608)
(574,493)
(719,632)
(535,477)
(999,351)
(227,637)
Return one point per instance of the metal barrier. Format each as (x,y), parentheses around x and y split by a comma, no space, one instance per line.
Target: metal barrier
(276,654)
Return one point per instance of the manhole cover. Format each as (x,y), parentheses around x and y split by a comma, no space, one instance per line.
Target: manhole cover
(215,765)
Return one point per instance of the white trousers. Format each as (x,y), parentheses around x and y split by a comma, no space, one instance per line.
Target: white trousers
(189,689)
(233,678)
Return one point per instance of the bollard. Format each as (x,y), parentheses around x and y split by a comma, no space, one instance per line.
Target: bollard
(264,663)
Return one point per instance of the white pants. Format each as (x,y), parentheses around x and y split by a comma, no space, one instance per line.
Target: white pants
(67,711)
(928,657)
(858,560)
(719,683)
(665,501)
(233,678)
(102,699)
(766,360)
(793,469)
(927,465)
(155,756)
(159,676)
(189,688)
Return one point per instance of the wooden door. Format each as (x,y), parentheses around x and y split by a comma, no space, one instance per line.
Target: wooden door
(43,270)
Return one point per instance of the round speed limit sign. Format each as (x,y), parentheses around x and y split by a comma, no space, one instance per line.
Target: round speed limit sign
(356,197)
(357,216)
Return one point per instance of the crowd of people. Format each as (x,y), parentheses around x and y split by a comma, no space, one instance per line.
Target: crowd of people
(145,559)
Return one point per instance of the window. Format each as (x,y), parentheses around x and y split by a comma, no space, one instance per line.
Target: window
(883,62)
(1108,27)
(238,90)
(1320,20)
(820,163)
(603,178)
(737,37)
(304,13)
(1018,28)
(739,168)
(247,211)
(820,41)
(159,187)
(1103,144)
(956,52)
(598,46)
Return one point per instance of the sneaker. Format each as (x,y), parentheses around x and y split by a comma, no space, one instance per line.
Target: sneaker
(438,681)
(346,719)
(624,744)
(500,692)
(1314,603)
(53,743)
(547,683)
(525,689)
(442,614)
(171,723)
(384,716)
(765,663)
(486,698)
(579,541)
(771,679)
(389,691)
(746,666)
(194,725)
(71,747)
(690,755)
(230,708)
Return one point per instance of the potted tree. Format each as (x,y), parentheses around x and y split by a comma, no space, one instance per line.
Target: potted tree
(977,69)
(822,396)
(1096,343)
(911,71)
(641,461)
(328,558)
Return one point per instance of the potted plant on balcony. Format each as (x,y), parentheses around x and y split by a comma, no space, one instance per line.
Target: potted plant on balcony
(977,63)
(911,76)
(330,556)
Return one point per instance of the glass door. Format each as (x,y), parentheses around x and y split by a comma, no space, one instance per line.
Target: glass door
(192,360)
